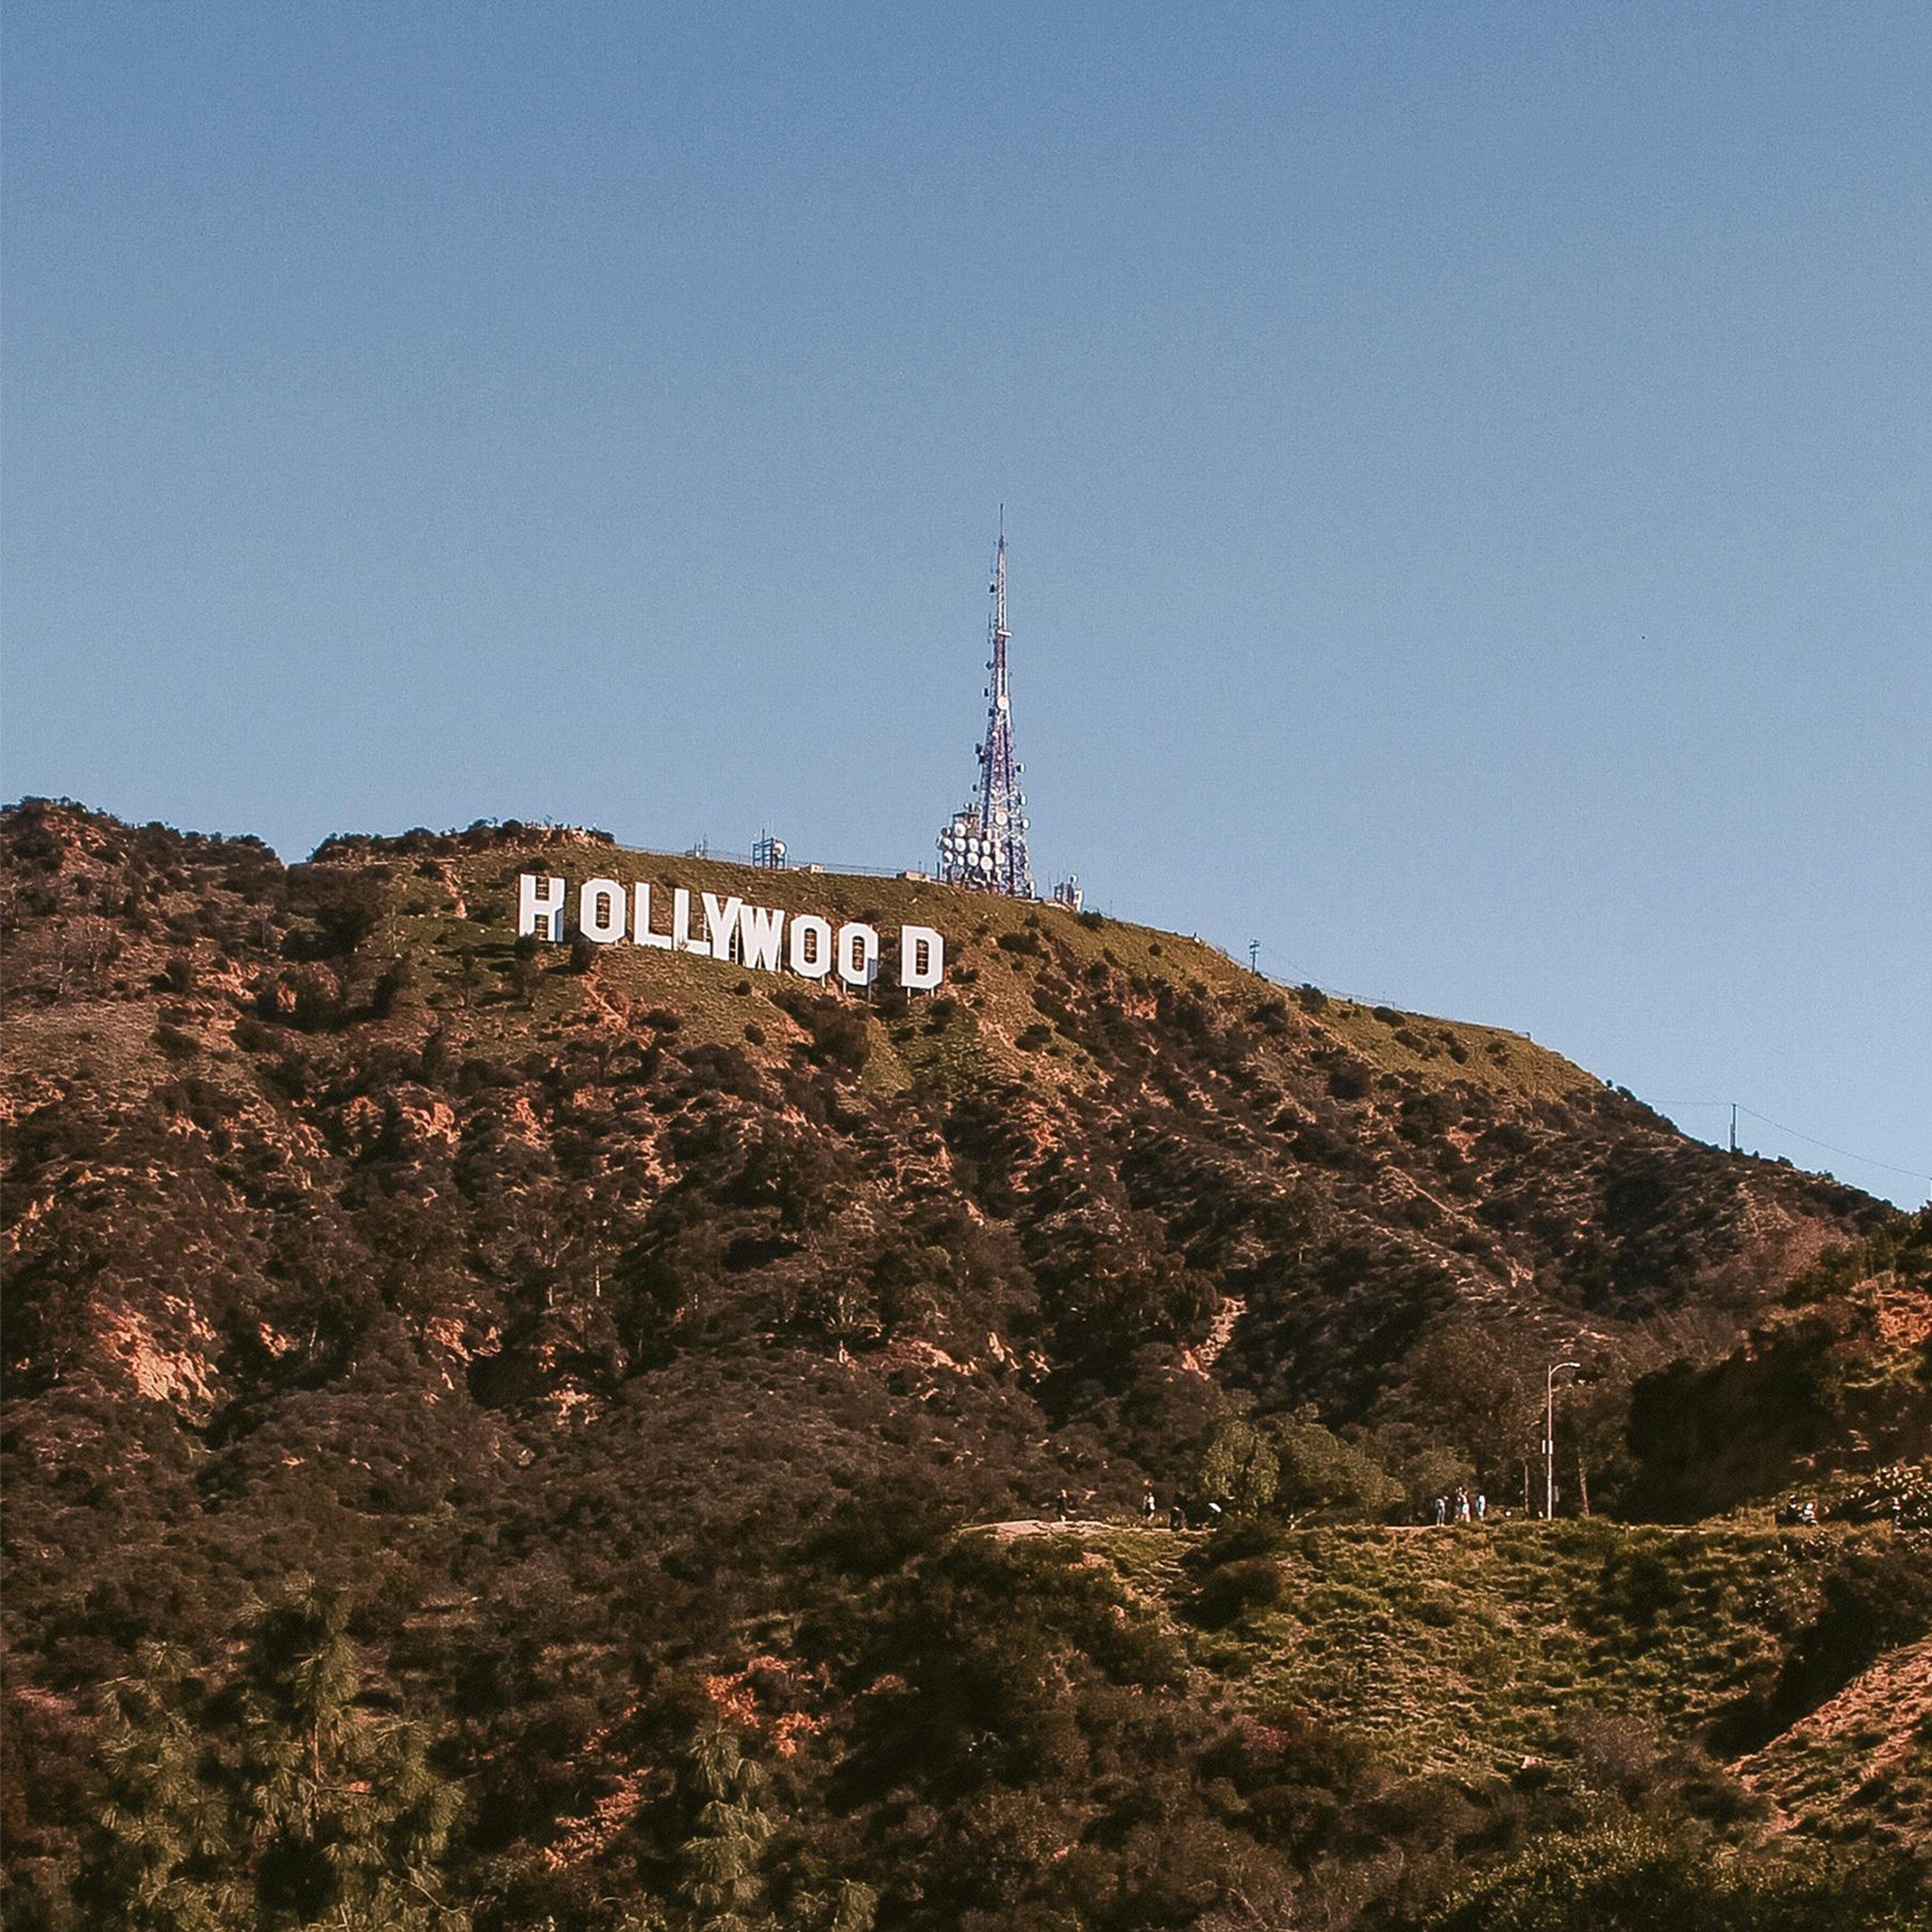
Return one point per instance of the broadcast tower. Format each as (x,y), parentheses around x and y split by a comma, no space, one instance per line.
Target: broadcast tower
(984,845)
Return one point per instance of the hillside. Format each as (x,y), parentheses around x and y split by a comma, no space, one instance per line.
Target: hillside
(628,1334)
(1146,1133)
(1550,1659)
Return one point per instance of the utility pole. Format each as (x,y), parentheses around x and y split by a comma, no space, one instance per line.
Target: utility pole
(1735,1148)
(1550,1437)
(1255,956)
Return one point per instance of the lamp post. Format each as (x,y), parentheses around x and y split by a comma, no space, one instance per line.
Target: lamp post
(1550,1437)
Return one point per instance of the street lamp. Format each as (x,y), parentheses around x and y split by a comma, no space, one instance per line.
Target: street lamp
(1550,1437)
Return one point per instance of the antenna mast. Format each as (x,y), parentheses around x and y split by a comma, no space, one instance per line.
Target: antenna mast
(985,843)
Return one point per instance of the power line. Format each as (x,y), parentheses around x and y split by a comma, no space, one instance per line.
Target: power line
(1911,1174)
(1260,947)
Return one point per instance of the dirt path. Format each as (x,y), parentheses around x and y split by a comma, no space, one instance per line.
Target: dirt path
(1084,1525)
(1219,1336)
(1075,1525)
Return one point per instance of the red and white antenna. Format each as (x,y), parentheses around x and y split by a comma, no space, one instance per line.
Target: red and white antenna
(984,843)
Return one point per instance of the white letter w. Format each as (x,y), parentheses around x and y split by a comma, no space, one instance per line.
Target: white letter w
(758,933)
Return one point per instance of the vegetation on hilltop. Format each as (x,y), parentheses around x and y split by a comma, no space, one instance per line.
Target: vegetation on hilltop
(623,1345)
(1834,1384)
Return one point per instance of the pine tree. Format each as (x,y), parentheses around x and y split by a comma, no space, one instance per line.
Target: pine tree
(153,1860)
(272,1805)
(851,1908)
(722,1885)
(343,1810)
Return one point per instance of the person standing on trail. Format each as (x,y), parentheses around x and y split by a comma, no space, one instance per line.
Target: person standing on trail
(1482,1509)
(1062,1507)
(1442,1510)
(1147,1506)
(1461,1505)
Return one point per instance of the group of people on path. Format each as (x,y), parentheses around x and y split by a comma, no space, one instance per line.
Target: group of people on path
(1457,1507)
(1803,1511)
(1178,1510)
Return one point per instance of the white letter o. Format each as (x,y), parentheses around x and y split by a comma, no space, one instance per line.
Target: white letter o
(858,954)
(814,960)
(601,909)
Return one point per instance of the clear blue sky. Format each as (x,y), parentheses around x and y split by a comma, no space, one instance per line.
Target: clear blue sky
(1466,471)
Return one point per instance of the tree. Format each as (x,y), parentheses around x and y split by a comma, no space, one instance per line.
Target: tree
(272,1801)
(344,1808)
(850,1908)
(153,1857)
(347,906)
(1239,1463)
(1319,1470)
(723,1884)
(1468,1390)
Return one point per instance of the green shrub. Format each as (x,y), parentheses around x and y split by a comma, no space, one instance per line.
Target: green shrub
(251,1036)
(1232,1591)
(1639,1878)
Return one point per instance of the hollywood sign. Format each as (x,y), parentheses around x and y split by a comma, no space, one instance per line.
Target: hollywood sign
(765,937)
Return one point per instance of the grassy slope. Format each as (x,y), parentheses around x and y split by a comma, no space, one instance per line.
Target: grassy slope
(1468,1654)
(1860,1766)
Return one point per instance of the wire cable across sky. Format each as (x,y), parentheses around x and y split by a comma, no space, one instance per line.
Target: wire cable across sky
(1910,1173)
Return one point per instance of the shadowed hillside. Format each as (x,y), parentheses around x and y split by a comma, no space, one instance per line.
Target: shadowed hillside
(617,1338)
(1833,1386)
